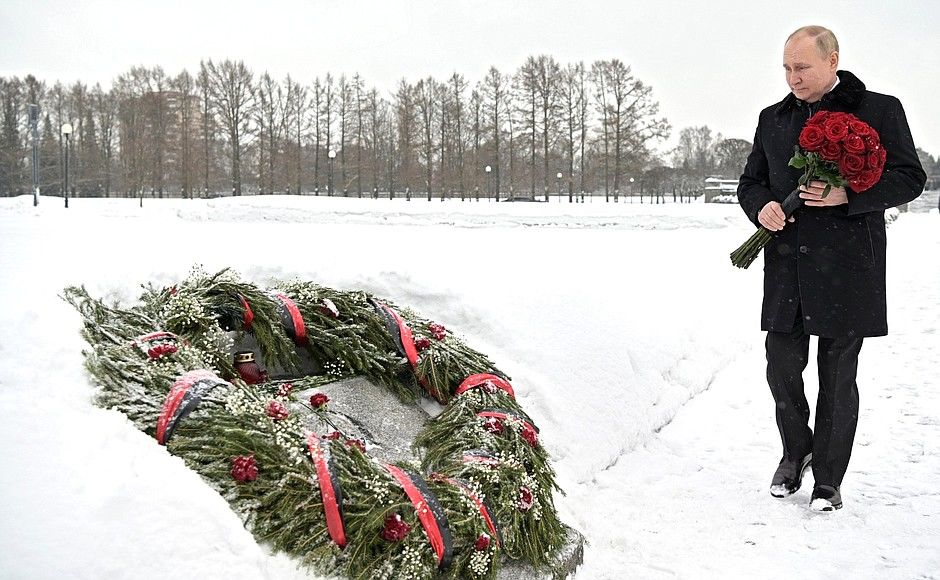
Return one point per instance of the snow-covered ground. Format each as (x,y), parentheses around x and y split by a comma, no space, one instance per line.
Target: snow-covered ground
(630,339)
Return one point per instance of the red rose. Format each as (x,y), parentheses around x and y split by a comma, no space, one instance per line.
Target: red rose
(874,160)
(526,499)
(437,330)
(860,128)
(854,144)
(318,400)
(395,529)
(422,344)
(871,141)
(850,165)
(493,425)
(244,468)
(836,129)
(864,180)
(818,119)
(357,444)
(812,137)
(482,543)
(277,411)
(830,151)
(530,436)
(285,389)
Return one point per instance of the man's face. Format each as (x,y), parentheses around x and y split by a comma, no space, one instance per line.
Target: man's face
(809,74)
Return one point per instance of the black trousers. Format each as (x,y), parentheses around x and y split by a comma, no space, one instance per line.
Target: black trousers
(836,407)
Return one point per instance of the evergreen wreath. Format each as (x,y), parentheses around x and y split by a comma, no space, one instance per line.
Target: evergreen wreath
(484,485)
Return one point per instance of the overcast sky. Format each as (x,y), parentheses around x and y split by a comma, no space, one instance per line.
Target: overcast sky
(716,62)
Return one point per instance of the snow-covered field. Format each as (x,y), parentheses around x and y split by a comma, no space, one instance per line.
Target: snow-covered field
(630,339)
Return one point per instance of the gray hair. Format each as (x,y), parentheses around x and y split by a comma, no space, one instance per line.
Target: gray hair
(826,41)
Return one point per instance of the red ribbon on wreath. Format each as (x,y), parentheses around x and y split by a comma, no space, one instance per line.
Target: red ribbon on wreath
(330,489)
(292,320)
(184,396)
(249,316)
(480,456)
(404,340)
(482,505)
(430,513)
(505,415)
(485,380)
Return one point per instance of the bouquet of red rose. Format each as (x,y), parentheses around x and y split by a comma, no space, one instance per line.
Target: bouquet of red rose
(837,148)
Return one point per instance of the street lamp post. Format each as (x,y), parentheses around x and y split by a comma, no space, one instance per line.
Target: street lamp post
(489,182)
(558,187)
(631,192)
(332,156)
(66,132)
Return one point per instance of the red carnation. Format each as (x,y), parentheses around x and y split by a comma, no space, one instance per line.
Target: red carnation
(285,389)
(356,443)
(244,468)
(276,410)
(318,400)
(812,137)
(437,330)
(850,165)
(482,543)
(526,499)
(854,144)
(530,436)
(161,350)
(836,128)
(422,344)
(494,425)
(332,436)
(830,151)
(395,529)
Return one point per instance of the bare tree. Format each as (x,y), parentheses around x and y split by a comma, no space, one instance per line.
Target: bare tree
(494,89)
(345,96)
(296,120)
(358,89)
(187,109)
(272,125)
(426,100)
(547,80)
(231,87)
(457,86)
(571,104)
(476,111)
(11,145)
(405,112)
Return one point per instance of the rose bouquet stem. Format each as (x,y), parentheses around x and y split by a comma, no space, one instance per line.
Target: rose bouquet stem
(749,250)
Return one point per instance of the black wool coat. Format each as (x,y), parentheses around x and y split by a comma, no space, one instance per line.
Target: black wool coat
(829,263)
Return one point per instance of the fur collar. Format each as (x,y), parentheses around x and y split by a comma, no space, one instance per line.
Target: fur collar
(848,94)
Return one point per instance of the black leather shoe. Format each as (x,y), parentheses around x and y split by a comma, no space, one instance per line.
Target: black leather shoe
(826,498)
(789,475)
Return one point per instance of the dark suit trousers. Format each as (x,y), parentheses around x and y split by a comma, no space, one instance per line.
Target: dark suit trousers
(836,407)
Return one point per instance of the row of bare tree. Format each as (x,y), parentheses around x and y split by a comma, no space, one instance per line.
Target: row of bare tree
(227,129)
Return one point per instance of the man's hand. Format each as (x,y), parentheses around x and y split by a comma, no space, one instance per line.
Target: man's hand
(772,216)
(812,193)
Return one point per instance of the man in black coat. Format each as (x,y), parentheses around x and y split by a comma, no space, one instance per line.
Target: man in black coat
(824,269)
